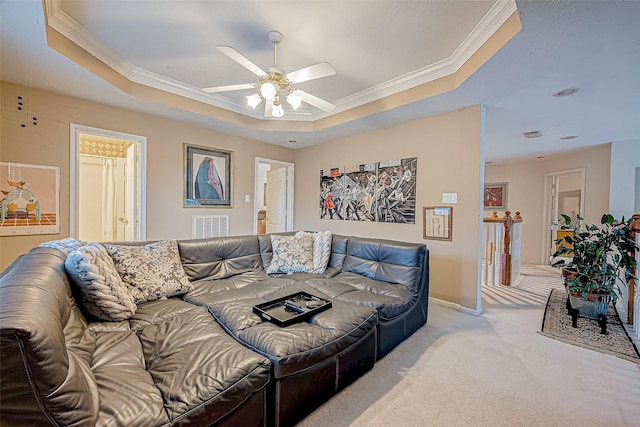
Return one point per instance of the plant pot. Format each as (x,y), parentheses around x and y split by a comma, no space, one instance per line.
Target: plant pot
(593,306)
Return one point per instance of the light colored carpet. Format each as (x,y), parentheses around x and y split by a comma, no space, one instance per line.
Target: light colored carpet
(490,370)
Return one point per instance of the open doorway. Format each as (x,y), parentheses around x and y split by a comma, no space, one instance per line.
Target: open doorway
(564,195)
(107,185)
(273,196)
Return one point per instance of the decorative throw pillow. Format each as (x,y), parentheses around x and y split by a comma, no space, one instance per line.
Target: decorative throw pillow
(102,293)
(291,254)
(321,251)
(153,271)
(66,245)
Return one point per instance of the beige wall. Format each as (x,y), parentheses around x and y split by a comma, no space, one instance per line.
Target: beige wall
(526,180)
(448,149)
(48,144)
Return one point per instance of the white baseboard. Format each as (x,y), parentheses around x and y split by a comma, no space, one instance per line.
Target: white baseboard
(455,306)
(466,310)
(444,303)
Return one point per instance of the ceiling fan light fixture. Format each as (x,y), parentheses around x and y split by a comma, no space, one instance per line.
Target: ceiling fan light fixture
(268,90)
(277,110)
(294,100)
(254,100)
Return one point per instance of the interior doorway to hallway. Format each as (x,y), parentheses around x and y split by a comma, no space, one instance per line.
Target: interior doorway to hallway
(273,196)
(107,185)
(564,195)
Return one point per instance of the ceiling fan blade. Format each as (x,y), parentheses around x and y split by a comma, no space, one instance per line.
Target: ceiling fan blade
(323,69)
(315,101)
(228,88)
(242,60)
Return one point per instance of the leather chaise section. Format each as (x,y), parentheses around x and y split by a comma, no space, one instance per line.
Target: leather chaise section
(297,346)
(390,300)
(128,395)
(201,372)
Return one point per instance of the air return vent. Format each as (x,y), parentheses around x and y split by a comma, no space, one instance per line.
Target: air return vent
(205,226)
(534,134)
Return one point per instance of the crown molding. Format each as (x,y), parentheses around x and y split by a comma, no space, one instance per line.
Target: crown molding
(76,33)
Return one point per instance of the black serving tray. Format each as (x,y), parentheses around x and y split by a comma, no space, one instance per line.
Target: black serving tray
(292,308)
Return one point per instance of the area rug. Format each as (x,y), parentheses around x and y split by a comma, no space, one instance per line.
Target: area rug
(556,324)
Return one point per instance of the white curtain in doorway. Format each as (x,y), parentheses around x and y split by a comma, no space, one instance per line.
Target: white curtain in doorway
(108,199)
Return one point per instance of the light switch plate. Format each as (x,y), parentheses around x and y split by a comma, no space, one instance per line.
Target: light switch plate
(449,197)
(247,198)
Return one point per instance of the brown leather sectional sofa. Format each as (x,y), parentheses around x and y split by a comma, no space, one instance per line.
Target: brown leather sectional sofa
(204,358)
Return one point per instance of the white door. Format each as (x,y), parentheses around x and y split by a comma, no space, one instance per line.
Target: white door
(277,200)
(131,194)
(130,221)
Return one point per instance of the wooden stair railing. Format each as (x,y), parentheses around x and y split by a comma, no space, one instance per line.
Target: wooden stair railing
(511,241)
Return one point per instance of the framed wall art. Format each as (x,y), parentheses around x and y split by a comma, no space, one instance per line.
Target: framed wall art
(207,177)
(495,196)
(437,222)
(30,199)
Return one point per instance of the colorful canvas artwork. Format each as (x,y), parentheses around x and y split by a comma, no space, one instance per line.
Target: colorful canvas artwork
(374,192)
(29,202)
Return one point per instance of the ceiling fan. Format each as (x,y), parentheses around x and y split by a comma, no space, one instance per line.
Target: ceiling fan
(275,83)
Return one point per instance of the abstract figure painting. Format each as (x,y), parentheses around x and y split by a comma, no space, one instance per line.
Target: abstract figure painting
(207,176)
(495,196)
(30,199)
(373,192)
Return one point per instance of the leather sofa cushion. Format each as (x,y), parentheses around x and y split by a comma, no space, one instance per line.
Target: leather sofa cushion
(385,261)
(389,299)
(201,372)
(46,353)
(128,395)
(296,347)
(219,257)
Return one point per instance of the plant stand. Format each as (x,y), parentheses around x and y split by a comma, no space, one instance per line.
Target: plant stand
(573,312)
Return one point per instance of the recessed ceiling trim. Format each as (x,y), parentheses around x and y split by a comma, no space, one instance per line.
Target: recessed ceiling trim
(490,23)
(60,21)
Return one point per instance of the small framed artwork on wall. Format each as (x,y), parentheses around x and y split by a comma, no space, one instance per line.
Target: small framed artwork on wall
(495,196)
(207,177)
(437,222)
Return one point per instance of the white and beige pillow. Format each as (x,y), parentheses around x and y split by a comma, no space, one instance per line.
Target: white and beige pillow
(152,272)
(291,254)
(102,293)
(321,249)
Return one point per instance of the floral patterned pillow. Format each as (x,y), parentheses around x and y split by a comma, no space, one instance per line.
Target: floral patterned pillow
(153,271)
(291,254)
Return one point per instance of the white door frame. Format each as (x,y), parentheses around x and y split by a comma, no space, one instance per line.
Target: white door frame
(548,209)
(290,187)
(74,145)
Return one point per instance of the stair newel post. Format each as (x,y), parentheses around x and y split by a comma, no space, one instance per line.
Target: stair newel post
(506,255)
(635,232)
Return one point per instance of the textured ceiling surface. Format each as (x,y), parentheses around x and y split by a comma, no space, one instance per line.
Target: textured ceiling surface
(594,46)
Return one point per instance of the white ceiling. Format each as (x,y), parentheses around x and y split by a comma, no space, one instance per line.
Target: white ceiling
(376,47)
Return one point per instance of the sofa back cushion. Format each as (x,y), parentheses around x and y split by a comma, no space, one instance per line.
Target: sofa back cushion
(386,261)
(47,347)
(219,257)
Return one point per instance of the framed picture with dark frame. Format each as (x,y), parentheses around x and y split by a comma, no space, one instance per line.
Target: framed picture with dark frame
(437,222)
(207,177)
(495,196)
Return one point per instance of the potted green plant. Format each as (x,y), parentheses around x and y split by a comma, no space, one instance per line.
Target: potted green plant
(593,259)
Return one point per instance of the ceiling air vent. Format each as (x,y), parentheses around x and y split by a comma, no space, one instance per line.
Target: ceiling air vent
(534,134)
